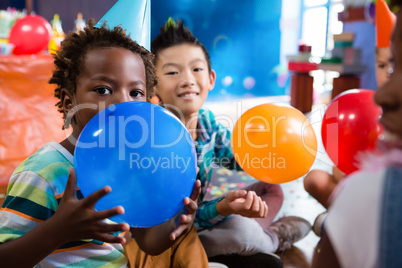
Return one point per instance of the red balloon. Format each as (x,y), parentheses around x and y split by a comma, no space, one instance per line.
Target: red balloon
(350,126)
(30,35)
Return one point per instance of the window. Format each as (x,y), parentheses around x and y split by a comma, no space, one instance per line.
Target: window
(319,24)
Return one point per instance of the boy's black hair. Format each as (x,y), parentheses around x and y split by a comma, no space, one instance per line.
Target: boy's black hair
(395,4)
(173,34)
(70,58)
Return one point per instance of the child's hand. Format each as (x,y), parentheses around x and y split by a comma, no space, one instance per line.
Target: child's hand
(77,219)
(247,204)
(185,220)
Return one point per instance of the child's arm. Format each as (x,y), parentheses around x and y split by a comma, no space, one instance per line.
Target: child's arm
(324,254)
(74,220)
(155,240)
(247,204)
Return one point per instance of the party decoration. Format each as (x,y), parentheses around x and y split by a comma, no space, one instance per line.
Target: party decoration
(57,34)
(385,23)
(273,143)
(145,154)
(30,35)
(350,126)
(134,17)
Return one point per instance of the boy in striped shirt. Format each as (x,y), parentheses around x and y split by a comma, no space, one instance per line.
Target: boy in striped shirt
(45,221)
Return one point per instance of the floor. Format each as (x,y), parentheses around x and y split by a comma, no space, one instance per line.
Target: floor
(297,201)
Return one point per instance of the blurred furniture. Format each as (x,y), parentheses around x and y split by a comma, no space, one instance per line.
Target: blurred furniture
(344,82)
(347,61)
(301,87)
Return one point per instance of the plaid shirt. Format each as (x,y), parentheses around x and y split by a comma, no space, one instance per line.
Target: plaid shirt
(213,151)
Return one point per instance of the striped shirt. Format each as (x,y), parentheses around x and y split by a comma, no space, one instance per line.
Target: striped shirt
(34,192)
(213,151)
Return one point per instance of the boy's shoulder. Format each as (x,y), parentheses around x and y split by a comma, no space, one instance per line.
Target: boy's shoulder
(206,115)
(208,124)
(50,161)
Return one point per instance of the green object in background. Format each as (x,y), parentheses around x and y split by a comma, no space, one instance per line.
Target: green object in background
(332,60)
(342,44)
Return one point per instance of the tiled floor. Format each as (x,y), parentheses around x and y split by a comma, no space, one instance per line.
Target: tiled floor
(297,201)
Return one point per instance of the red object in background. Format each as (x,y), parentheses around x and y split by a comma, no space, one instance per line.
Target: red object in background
(29,117)
(302,67)
(304,48)
(30,35)
(350,126)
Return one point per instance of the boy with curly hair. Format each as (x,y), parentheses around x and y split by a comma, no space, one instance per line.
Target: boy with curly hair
(45,216)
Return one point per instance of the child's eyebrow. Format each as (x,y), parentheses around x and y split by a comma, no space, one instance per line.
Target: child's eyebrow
(102,78)
(168,64)
(112,81)
(197,60)
(138,82)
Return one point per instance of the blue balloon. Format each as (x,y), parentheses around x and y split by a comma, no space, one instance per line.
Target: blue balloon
(145,154)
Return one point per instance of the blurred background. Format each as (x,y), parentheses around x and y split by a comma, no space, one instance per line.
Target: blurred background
(248,40)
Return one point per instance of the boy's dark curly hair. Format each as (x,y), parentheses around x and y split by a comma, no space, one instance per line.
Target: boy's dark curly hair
(173,34)
(70,58)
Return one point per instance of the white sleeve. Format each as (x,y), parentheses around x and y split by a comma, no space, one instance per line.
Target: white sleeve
(352,224)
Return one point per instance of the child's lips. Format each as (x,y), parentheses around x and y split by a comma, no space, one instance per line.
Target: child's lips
(188,95)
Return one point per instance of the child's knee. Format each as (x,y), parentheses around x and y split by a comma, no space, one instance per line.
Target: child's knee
(315,180)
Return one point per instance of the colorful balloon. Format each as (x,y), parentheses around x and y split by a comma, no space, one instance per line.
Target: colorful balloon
(273,143)
(350,126)
(145,154)
(30,35)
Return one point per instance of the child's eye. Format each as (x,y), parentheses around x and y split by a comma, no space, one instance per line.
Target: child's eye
(137,94)
(198,69)
(381,66)
(103,91)
(171,73)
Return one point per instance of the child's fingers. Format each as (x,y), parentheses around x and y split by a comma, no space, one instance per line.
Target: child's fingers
(191,205)
(109,238)
(71,184)
(256,204)
(104,227)
(196,190)
(184,222)
(178,231)
(232,195)
(249,200)
(91,199)
(107,213)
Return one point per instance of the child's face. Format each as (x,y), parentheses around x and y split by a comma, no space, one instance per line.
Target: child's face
(110,76)
(389,96)
(384,65)
(183,78)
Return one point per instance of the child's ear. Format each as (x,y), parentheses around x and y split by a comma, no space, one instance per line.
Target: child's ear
(212,78)
(66,99)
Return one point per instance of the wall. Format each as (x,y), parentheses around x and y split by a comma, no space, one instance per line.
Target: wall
(242,37)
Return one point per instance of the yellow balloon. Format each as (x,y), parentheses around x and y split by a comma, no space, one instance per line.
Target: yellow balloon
(274,143)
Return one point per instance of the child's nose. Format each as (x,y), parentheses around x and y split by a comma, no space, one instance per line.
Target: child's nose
(122,96)
(187,79)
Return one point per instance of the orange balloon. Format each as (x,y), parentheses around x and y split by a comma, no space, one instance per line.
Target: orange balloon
(273,143)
